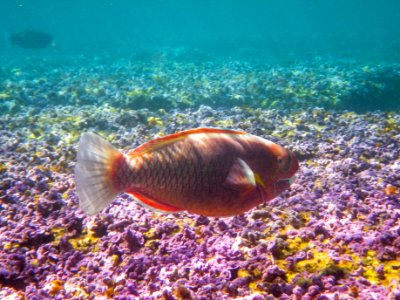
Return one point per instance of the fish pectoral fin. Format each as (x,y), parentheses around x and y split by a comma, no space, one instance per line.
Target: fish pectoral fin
(154,204)
(241,177)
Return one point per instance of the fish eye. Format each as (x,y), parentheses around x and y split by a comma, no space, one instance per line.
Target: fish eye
(284,162)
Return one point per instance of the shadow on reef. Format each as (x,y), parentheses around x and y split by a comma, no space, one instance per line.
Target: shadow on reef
(378,91)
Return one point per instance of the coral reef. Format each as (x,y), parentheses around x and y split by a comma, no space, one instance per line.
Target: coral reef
(334,235)
(161,84)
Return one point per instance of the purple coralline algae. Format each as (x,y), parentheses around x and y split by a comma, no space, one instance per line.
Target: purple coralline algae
(334,235)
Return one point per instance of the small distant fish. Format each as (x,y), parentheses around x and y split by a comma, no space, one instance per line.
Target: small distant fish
(206,171)
(31,39)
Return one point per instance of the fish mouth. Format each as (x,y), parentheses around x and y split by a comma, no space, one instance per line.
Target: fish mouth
(283,184)
(279,186)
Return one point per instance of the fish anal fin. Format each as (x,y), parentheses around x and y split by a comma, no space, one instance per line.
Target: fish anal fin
(153,204)
(172,138)
(241,177)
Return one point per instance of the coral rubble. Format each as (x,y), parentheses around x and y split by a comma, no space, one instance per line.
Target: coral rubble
(334,235)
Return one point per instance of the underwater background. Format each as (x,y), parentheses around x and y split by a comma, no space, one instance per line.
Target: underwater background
(321,78)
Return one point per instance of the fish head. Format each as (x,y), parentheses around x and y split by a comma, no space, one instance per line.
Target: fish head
(275,171)
(288,166)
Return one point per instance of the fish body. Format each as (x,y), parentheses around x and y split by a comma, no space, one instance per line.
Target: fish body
(31,39)
(211,172)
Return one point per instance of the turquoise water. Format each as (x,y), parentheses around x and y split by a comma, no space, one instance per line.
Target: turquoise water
(269,30)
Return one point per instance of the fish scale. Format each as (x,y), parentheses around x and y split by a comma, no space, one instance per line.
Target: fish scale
(213,172)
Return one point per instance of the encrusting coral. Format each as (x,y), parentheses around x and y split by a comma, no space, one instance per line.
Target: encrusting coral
(336,233)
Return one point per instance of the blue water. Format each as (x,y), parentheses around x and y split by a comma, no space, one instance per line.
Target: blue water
(264,29)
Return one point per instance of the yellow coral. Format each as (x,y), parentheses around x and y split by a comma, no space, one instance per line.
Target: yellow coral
(34,262)
(4,95)
(3,167)
(318,263)
(83,242)
(391,271)
(243,273)
(150,234)
(391,124)
(10,245)
(58,233)
(369,263)
(138,92)
(154,121)
(255,287)
(223,123)
(351,263)
(115,259)
(305,216)
(80,292)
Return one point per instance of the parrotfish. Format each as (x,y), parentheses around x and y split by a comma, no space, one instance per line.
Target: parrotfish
(206,171)
(31,39)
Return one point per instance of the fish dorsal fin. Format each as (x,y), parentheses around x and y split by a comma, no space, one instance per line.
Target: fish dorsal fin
(153,204)
(241,177)
(172,138)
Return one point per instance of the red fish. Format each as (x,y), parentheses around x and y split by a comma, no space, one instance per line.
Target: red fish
(207,171)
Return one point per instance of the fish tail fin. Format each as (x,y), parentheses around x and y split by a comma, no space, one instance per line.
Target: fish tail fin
(93,173)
